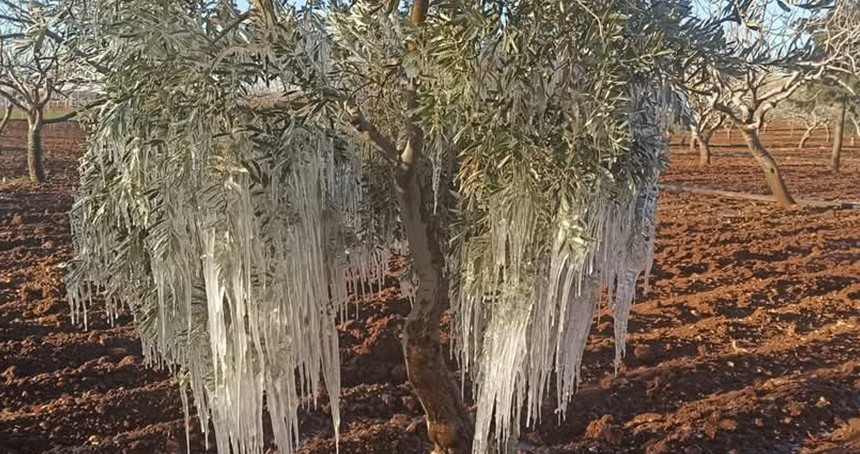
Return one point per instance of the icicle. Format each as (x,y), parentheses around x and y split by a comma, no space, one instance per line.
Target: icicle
(521,317)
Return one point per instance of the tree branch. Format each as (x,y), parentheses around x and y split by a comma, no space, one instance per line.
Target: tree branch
(7,114)
(369,133)
(74,113)
(231,26)
(12,100)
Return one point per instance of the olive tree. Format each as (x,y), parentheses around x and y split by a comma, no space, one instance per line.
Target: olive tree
(838,35)
(249,170)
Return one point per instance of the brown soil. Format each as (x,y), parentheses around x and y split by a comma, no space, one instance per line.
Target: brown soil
(747,341)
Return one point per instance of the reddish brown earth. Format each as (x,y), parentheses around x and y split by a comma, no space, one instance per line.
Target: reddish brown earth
(747,342)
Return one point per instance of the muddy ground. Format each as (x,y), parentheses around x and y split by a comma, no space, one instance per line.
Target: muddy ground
(747,342)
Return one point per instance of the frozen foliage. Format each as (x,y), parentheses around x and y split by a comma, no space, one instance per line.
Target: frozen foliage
(233,239)
(534,317)
(244,303)
(237,225)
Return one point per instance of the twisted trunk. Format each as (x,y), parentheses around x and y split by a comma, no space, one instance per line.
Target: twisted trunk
(838,136)
(35,164)
(705,141)
(449,424)
(772,174)
(694,137)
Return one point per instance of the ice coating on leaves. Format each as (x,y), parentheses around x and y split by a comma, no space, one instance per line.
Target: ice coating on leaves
(535,319)
(243,303)
(234,239)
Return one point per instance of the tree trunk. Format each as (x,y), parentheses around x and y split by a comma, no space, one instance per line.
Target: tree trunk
(838,135)
(772,174)
(449,425)
(3,123)
(827,132)
(704,149)
(694,137)
(856,134)
(806,135)
(35,163)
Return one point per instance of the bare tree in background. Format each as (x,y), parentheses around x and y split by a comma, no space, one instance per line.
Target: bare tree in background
(7,114)
(778,59)
(805,107)
(35,68)
(840,35)
(708,121)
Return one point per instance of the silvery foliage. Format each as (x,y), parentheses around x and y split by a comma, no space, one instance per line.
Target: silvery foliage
(223,201)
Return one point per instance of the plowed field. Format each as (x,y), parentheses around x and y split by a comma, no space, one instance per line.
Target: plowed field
(747,342)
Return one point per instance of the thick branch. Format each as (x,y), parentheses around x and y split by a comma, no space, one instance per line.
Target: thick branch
(11,99)
(789,84)
(368,132)
(727,111)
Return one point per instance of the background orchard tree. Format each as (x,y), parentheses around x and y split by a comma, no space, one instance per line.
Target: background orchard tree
(832,106)
(746,101)
(708,120)
(803,107)
(777,58)
(7,115)
(839,34)
(35,68)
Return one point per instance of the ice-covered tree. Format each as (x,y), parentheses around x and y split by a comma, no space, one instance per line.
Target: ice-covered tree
(249,171)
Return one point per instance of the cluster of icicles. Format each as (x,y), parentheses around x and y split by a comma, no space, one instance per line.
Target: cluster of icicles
(243,306)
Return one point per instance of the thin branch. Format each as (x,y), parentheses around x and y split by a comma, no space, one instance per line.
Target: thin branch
(13,19)
(414,133)
(74,113)
(231,26)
